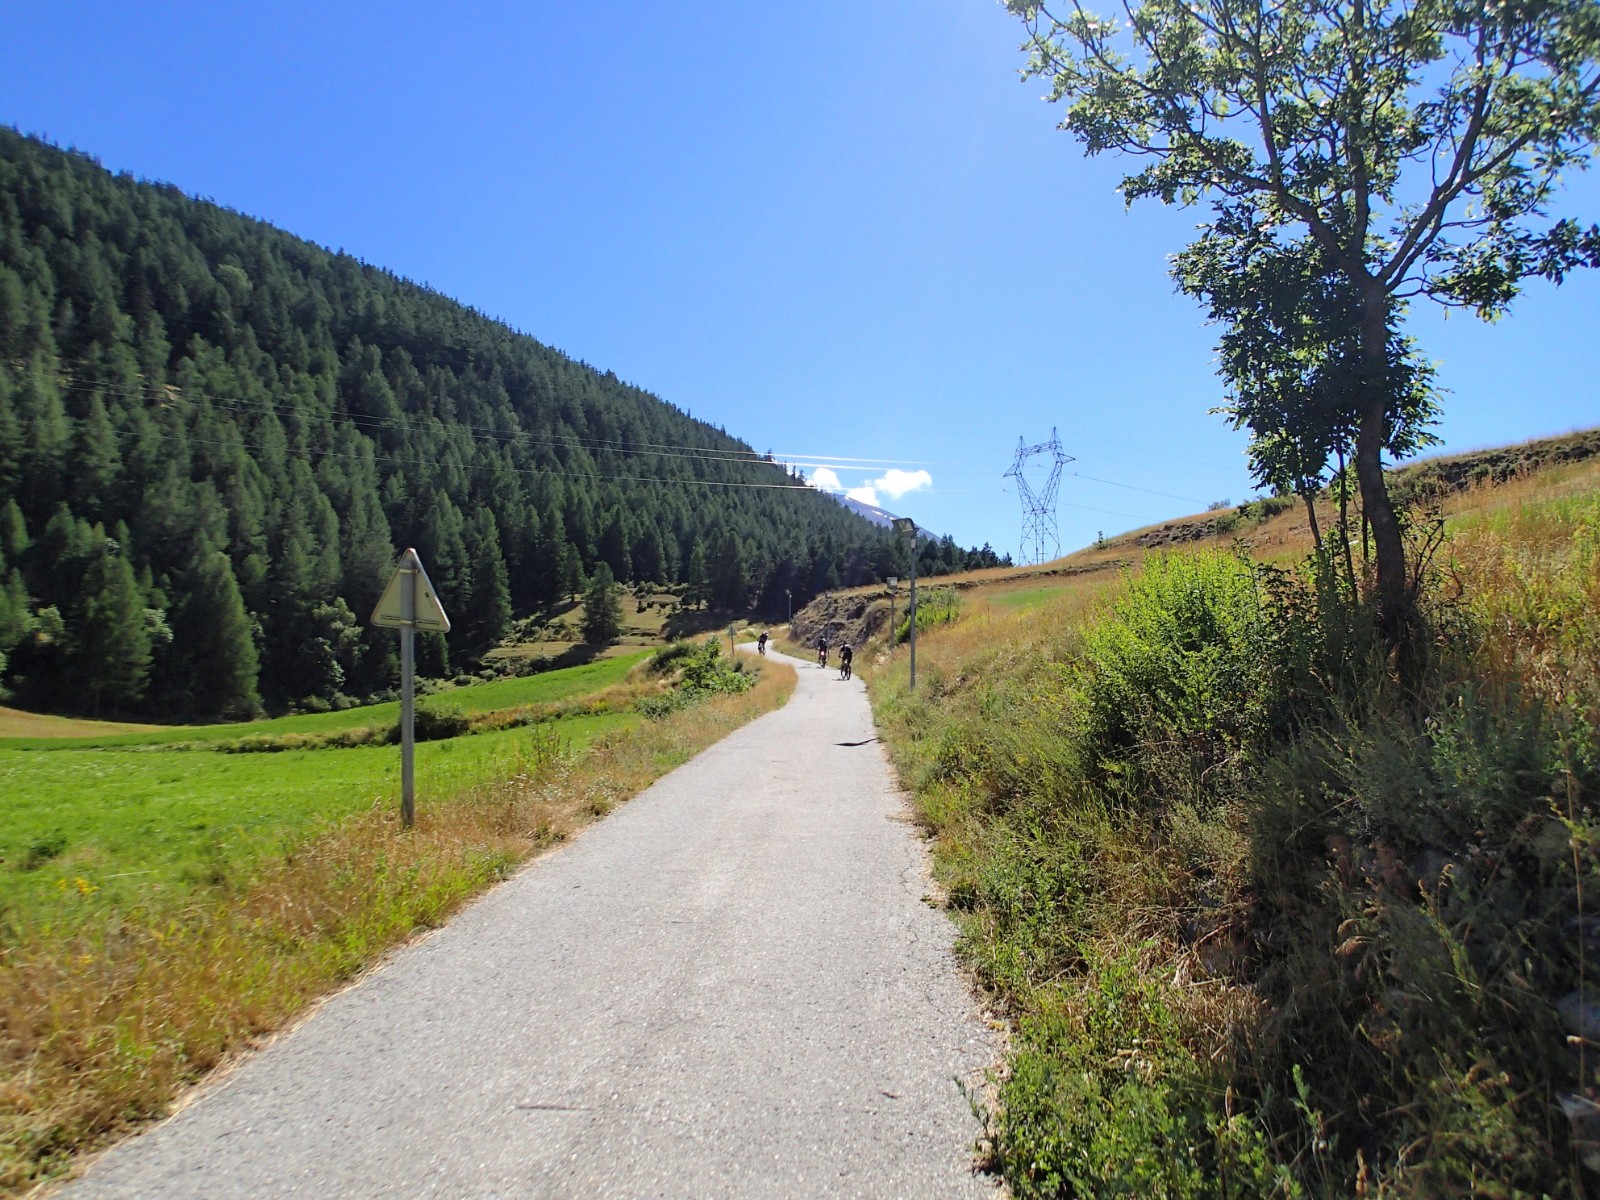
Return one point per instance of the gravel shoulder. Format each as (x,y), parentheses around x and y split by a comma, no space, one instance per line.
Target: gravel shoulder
(732,986)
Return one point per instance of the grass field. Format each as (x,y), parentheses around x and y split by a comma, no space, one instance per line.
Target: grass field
(38,732)
(141,828)
(116,818)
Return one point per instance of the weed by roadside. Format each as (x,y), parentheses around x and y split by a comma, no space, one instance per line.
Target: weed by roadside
(1266,923)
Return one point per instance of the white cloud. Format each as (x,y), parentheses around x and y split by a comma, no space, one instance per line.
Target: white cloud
(893,484)
(827,479)
(896,483)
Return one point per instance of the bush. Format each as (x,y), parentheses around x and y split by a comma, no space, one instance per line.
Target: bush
(670,657)
(1192,667)
(703,672)
(1270,921)
(436,721)
(935,606)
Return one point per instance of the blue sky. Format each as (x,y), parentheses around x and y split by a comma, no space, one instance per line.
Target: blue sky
(844,231)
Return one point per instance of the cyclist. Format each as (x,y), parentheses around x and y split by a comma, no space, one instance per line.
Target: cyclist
(846,658)
(761,643)
(822,651)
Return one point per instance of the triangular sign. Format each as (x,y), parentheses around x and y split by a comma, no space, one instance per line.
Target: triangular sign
(427,614)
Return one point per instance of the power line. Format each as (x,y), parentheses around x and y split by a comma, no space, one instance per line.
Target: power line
(488,433)
(495,436)
(498,468)
(1130,487)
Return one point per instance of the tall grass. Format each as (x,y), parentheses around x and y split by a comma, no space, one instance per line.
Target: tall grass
(1267,922)
(102,1025)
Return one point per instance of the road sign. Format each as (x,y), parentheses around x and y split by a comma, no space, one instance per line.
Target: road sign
(427,613)
(409,603)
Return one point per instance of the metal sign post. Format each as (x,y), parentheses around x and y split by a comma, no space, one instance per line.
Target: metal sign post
(906,527)
(408,604)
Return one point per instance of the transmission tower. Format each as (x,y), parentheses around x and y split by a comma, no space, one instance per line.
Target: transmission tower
(1039,508)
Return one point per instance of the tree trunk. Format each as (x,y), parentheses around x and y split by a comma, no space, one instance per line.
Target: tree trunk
(1310,497)
(1395,612)
(1344,522)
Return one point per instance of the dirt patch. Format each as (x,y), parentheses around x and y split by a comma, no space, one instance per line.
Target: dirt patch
(843,617)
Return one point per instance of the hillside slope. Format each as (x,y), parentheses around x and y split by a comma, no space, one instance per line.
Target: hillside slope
(1269,914)
(1275,528)
(215,435)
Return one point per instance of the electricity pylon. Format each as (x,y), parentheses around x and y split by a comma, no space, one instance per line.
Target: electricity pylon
(1039,508)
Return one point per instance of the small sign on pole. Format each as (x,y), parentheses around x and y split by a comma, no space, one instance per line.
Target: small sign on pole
(907,528)
(408,604)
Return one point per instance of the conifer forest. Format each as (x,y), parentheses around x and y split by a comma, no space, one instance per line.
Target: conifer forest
(215,436)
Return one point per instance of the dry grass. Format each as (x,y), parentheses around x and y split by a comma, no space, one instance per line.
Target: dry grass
(16,723)
(1282,538)
(1529,572)
(104,1027)
(1173,952)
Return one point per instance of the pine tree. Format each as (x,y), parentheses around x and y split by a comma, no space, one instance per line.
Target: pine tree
(649,561)
(729,583)
(111,644)
(602,608)
(613,548)
(14,539)
(569,570)
(215,641)
(16,615)
(694,576)
(488,606)
(95,461)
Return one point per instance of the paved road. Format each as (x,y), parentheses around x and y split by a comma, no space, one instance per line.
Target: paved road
(729,987)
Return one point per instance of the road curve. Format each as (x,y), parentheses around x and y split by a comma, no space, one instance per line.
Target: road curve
(732,986)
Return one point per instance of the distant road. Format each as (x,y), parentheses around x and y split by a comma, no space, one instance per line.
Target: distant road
(730,987)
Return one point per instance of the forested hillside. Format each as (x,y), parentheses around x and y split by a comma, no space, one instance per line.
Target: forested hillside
(214,436)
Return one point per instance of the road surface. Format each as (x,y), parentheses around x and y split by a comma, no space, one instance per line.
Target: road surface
(732,986)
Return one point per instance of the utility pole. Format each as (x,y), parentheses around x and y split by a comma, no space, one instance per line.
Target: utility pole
(907,528)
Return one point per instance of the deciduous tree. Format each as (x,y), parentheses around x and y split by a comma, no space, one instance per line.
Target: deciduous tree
(1411,147)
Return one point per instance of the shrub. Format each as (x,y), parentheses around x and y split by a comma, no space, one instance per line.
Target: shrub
(436,721)
(1328,946)
(703,672)
(1189,667)
(670,657)
(935,606)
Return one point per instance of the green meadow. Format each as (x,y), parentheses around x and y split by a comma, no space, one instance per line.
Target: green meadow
(137,821)
(500,694)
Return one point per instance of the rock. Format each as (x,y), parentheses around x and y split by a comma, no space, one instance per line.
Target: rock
(845,618)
